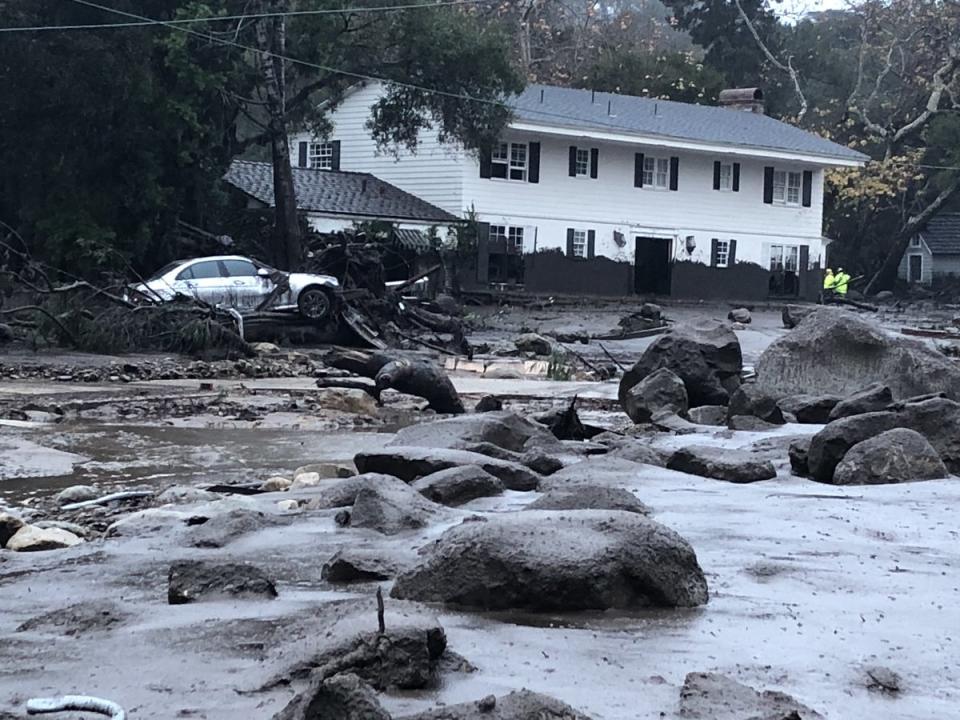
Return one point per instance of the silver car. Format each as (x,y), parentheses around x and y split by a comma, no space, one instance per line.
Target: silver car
(238,282)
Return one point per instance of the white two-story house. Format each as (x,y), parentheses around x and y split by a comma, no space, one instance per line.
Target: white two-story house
(612,194)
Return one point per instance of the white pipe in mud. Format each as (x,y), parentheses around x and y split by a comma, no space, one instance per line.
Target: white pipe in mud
(85,703)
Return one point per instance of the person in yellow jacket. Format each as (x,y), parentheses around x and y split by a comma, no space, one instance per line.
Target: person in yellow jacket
(841,282)
(829,281)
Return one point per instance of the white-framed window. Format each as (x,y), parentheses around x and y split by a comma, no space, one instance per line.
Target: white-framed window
(656,172)
(723,253)
(582,164)
(784,257)
(509,161)
(515,238)
(786,187)
(726,176)
(579,243)
(320,155)
(497,233)
(915,241)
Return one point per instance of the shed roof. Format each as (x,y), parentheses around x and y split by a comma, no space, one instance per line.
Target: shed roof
(942,234)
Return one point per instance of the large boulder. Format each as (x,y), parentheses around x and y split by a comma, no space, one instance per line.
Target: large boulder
(832,351)
(750,400)
(410,463)
(518,705)
(873,398)
(735,466)
(77,493)
(504,429)
(193,580)
(589,497)
(707,359)
(344,697)
(223,528)
(458,485)
(601,470)
(660,390)
(31,538)
(798,453)
(710,696)
(894,456)
(713,415)
(809,409)
(392,509)
(828,446)
(558,561)
(10,524)
(740,315)
(792,315)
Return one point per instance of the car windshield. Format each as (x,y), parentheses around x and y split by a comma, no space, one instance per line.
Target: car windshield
(165,269)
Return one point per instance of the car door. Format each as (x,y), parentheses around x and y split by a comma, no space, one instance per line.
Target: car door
(245,290)
(204,281)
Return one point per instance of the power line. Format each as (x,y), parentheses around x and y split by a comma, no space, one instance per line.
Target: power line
(250,16)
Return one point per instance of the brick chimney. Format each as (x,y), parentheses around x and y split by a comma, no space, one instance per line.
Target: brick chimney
(749,99)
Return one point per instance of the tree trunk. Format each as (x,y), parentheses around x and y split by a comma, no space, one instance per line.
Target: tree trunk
(271,40)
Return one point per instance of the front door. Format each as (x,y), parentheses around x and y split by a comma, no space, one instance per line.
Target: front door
(652,265)
(916,268)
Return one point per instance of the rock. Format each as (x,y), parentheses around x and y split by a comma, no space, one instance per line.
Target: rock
(518,705)
(410,463)
(266,348)
(185,495)
(77,493)
(70,527)
(533,343)
(192,581)
(660,390)
(224,528)
(938,420)
(751,400)
(30,538)
(558,561)
(651,311)
(540,462)
(423,379)
(305,480)
(749,423)
(564,422)
(810,409)
(352,564)
(488,403)
(703,357)
(894,456)
(9,525)
(713,415)
(346,400)
(6,334)
(276,484)
(735,466)
(504,429)
(343,493)
(288,506)
(799,450)
(78,619)
(326,471)
(792,315)
(639,451)
(873,398)
(671,422)
(883,679)
(589,497)
(604,470)
(458,485)
(828,446)
(344,697)
(711,696)
(740,315)
(392,509)
(833,351)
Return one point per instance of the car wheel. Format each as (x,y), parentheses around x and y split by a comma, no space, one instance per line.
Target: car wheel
(315,303)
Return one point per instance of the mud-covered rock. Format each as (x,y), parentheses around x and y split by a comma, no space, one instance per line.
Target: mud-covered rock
(558,561)
(828,446)
(344,697)
(78,619)
(392,509)
(518,705)
(751,400)
(9,525)
(589,497)
(749,423)
(410,463)
(31,538)
(222,529)
(458,485)
(77,493)
(712,415)
(660,390)
(193,581)
(351,564)
(638,451)
(488,403)
(276,484)
(873,398)
(343,493)
(533,343)
(505,429)
(894,456)
(602,470)
(735,466)
(798,452)
(809,409)
(711,696)
(740,315)
(793,315)
(185,495)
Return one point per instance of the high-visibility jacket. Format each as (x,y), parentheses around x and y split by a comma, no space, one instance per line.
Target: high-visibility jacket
(841,281)
(829,281)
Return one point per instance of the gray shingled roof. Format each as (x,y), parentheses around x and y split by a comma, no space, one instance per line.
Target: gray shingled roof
(337,193)
(663,118)
(942,234)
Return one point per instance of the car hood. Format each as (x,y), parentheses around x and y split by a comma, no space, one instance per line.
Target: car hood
(302,280)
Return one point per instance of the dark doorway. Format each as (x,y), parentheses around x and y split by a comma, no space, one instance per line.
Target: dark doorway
(916,268)
(652,265)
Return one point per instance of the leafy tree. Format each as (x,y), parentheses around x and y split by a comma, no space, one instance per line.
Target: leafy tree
(671,76)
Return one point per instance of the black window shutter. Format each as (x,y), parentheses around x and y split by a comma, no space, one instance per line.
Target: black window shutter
(736,177)
(533,174)
(485,163)
(807,188)
(483,252)
(335,160)
(573,161)
(591,243)
(713,252)
(674,172)
(716,174)
(302,161)
(768,185)
(569,242)
(732,253)
(638,170)
(594,162)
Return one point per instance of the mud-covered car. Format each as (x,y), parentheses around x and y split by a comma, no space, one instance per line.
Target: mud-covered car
(233,281)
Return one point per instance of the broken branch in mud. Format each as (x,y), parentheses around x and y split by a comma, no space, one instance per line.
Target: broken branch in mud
(83,703)
(112,497)
(381,623)
(612,358)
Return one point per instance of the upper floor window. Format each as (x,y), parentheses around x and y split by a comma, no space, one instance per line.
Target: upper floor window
(656,172)
(320,156)
(509,161)
(786,187)
(915,241)
(726,176)
(582,164)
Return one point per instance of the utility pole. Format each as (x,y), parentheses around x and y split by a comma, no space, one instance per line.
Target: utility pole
(271,42)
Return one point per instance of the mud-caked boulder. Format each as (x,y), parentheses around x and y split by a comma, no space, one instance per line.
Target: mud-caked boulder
(423,379)
(707,359)
(736,466)
(660,390)
(410,463)
(9,525)
(224,528)
(458,485)
(344,697)
(533,343)
(504,429)
(713,415)
(711,696)
(392,509)
(352,564)
(834,350)
(750,400)
(809,409)
(873,398)
(589,497)
(31,538)
(193,580)
(894,456)
(740,315)
(558,561)
(798,452)
(792,315)
(518,705)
